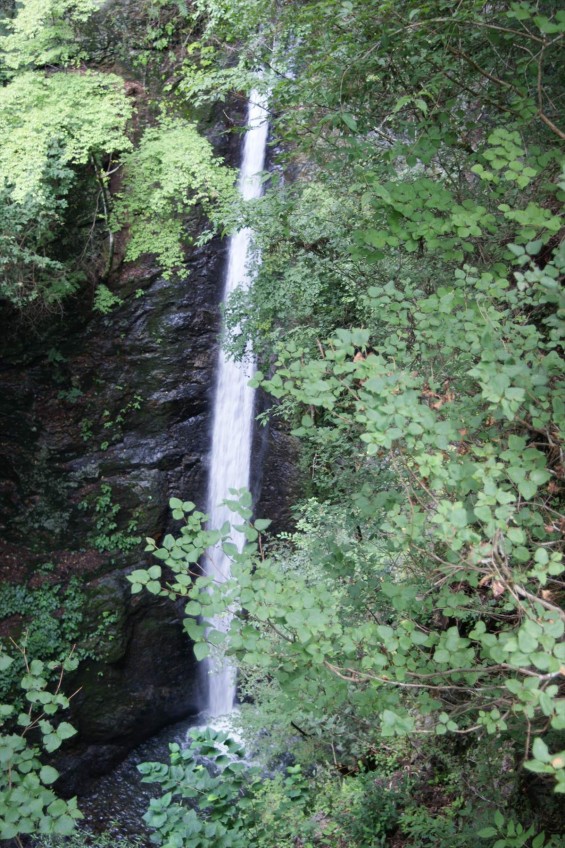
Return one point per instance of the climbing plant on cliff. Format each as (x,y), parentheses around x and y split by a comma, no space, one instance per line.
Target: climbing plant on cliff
(65,122)
(58,124)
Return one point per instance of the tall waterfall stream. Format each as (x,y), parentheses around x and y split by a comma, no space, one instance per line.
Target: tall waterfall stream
(233,405)
(119,799)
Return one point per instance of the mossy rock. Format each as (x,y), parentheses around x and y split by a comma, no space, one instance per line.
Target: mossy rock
(105,618)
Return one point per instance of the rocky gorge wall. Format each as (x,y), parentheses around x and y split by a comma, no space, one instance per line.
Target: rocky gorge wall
(102,420)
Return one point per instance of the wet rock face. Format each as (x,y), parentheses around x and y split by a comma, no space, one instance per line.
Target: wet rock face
(147,679)
(275,479)
(100,427)
(102,420)
(124,404)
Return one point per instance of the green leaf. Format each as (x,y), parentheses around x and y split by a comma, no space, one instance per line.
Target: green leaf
(540,750)
(8,830)
(5,662)
(64,826)
(349,121)
(527,643)
(58,807)
(527,489)
(459,517)
(48,775)
(51,742)
(201,650)
(65,730)
(139,575)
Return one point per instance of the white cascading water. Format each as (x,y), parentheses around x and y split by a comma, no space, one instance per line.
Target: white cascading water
(233,404)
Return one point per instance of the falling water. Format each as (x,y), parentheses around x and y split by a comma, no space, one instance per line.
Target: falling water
(233,405)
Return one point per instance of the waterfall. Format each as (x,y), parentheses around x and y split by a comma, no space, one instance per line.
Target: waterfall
(233,403)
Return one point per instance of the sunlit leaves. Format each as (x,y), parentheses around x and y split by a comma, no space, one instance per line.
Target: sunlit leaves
(46,32)
(60,120)
(46,116)
(172,171)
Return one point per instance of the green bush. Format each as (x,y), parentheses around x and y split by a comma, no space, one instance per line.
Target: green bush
(28,804)
(51,617)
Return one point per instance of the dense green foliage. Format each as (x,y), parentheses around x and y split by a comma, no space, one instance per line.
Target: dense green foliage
(215,799)
(66,131)
(171,171)
(57,124)
(28,804)
(407,313)
(409,287)
(52,622)
(51,615)
(45,116)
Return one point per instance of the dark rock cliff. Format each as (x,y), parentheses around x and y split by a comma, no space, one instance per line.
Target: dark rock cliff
(102,420)
(95,440)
